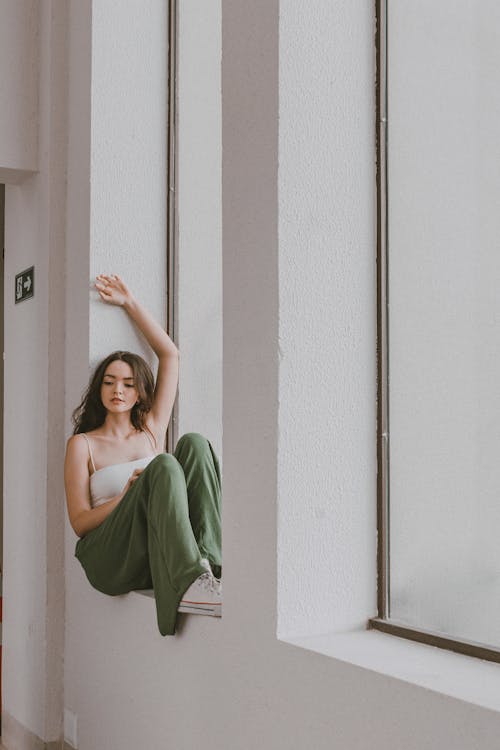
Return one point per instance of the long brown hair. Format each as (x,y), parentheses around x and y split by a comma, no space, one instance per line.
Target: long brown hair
(91,412)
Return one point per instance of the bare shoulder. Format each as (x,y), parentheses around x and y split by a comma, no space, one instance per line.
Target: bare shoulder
(76,444)
(76,451)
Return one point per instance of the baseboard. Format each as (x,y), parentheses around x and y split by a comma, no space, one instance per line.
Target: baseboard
(16,737)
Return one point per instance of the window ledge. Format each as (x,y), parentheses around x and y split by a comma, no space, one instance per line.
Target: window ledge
(144,592)
(458,676)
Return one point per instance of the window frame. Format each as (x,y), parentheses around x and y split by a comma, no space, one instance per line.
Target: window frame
(171,207)
(383,621)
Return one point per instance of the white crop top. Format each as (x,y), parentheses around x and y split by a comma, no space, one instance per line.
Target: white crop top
(109,481)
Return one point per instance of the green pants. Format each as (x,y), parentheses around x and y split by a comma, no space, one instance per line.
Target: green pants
(156,536)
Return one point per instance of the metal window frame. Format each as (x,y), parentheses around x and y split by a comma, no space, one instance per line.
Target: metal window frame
(171,207)
(383,621)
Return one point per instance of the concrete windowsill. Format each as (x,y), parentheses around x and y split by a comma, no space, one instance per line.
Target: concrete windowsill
(464,677)
(145,592)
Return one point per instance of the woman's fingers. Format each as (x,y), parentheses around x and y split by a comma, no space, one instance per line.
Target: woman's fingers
(102,282)
(112,289)
(136,474)
(104,293)
(106,280)
(132,479)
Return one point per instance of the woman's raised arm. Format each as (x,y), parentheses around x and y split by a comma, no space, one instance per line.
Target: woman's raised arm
(114,291)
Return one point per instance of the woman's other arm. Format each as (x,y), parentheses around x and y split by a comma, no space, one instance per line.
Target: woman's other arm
(82,516)
(113,290)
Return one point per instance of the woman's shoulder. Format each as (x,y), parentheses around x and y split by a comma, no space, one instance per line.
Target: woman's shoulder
(76,445)
(76,439)
(80,437)
(95,433)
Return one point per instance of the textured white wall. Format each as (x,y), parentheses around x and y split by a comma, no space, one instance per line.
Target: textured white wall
(327,388)
(128,165)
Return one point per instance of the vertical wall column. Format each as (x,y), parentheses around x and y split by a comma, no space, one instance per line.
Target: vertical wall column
(327,420)
(35,218)
(117,198)
(250,318)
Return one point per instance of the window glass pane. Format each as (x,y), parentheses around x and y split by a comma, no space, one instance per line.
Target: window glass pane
(444,315)
(199,221)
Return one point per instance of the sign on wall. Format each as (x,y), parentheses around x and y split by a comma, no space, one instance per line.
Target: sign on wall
(25,284)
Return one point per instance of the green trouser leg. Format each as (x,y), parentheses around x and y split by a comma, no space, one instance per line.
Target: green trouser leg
(202,472)
(148,540)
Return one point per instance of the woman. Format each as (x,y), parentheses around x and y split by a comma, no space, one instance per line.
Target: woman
(145,518)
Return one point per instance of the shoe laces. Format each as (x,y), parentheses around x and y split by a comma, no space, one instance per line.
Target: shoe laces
(209,582)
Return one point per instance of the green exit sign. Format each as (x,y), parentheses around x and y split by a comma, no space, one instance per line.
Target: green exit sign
(25,284)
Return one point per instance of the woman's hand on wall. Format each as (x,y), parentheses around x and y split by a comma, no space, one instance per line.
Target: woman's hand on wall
(113,290)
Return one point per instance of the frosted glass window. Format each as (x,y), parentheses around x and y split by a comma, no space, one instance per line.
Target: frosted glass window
(443,147)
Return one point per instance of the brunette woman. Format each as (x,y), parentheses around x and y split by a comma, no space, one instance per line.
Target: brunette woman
(145,518)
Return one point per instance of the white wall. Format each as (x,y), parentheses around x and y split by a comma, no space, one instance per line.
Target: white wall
(327,320)
(33,589)
(19,63)
(25,460)
(128,166)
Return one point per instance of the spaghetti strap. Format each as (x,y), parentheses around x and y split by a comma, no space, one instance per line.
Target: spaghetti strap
(150,440)
(90,451)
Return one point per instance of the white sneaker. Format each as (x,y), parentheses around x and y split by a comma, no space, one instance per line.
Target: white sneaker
(203,597)
(206,565)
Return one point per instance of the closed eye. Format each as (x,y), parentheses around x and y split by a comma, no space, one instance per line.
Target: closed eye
(111,382)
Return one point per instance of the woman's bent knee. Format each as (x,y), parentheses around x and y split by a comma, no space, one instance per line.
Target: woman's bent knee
(165,463)
(195,439)
(161,458)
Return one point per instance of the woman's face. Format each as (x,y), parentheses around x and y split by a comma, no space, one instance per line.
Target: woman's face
(118,391)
